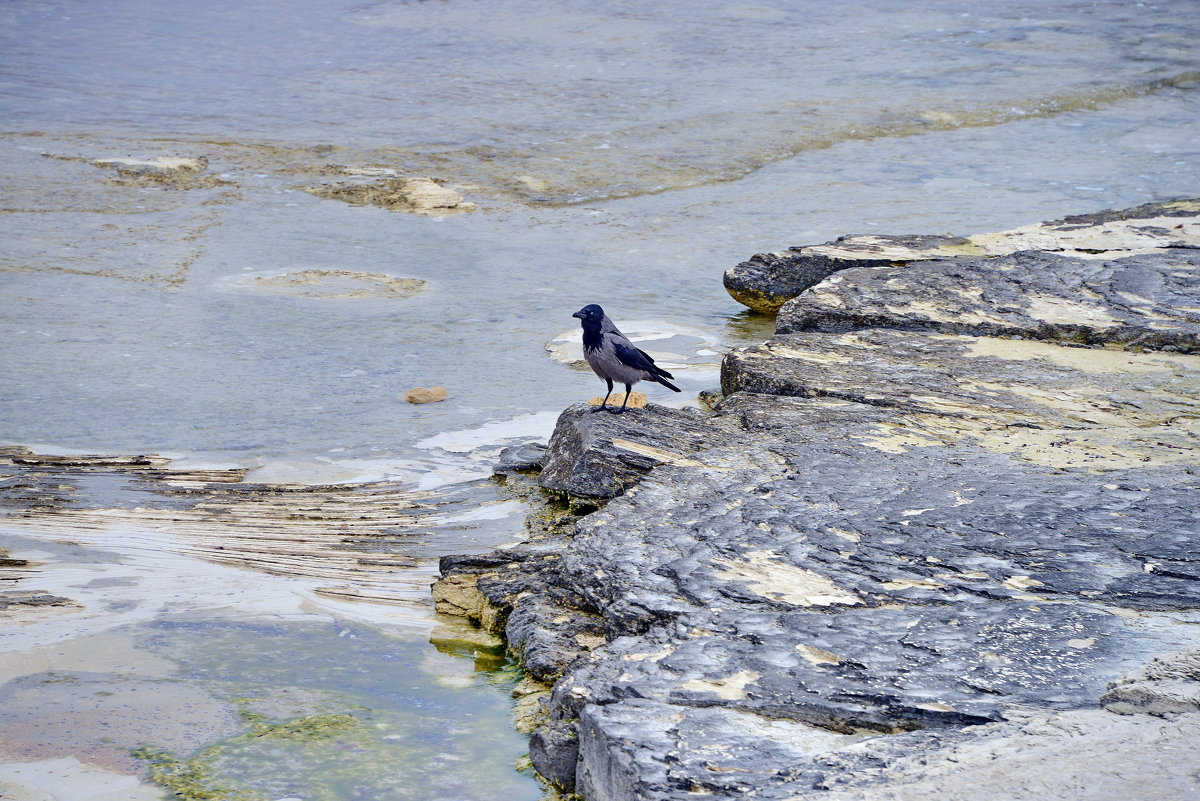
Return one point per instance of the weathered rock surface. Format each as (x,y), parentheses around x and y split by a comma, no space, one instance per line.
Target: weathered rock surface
(1168,686)
(900,560)
(595,454)
(768,280)
(1143,301)
(11,598)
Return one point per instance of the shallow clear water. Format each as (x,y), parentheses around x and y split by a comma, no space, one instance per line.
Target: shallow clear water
(619,153)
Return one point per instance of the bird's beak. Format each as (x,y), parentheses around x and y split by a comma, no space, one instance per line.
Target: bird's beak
(578,314)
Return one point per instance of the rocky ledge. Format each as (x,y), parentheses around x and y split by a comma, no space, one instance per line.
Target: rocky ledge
(938,537)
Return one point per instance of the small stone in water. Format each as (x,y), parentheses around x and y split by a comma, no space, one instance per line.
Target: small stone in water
(423,395)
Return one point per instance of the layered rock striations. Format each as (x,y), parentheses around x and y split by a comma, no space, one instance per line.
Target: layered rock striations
(938,537)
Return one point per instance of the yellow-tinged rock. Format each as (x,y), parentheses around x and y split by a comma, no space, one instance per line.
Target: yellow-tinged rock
(426,395)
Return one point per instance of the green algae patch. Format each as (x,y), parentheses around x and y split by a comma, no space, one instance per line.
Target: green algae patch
(354,713)
(307,729)
(201,776)
(191,779)
(967,248)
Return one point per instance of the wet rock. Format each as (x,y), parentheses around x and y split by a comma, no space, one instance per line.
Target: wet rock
(11,598)
(597,455)
(419,395)
(527,458)
(163,166)
(768,280)
(896,555)
(350,541)
(425,196)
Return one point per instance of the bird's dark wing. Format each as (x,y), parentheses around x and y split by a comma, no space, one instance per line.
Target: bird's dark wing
(637,359)
(631,356)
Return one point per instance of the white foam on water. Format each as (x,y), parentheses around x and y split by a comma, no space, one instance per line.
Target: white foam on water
(491,511)
(538,425)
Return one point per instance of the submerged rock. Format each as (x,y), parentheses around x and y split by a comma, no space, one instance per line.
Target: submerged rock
(183,172)
(905,547)
(326,283)
(10,598)
(413,195)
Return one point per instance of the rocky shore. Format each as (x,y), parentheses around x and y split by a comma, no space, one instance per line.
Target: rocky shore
(937,536)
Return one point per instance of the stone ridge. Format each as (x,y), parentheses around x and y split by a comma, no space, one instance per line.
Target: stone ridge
(1146,301)
(900,559)
(768,280)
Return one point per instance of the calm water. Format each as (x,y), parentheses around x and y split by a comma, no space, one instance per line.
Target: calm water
(621,153)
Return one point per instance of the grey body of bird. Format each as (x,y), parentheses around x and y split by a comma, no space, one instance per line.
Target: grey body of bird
(613,357)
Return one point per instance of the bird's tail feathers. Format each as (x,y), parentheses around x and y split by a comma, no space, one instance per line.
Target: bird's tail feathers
(667,383)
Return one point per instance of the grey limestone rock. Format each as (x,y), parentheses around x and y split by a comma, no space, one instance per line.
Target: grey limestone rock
(598,455)
(906,556)
(554,752)
(1138,301)
(768,280)
(527,458)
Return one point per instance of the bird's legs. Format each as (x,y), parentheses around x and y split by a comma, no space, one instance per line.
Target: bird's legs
(628,389)
(602,406)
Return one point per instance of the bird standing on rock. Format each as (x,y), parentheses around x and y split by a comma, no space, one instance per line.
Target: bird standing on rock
(613,357)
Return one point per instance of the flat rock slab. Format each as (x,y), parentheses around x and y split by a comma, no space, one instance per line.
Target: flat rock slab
(768,280)
(1072,755)
(808,576)
(1139,301)
(1052,405)
(937,539)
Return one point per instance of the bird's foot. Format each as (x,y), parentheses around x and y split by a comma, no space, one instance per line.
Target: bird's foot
(595,409)
(618,411)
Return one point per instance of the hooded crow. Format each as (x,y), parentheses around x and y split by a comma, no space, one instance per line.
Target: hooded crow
(613,357)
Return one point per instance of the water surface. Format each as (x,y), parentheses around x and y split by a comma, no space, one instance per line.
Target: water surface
(617,153)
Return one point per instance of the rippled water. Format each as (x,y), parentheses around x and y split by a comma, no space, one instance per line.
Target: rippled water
(773,124)
(621,153)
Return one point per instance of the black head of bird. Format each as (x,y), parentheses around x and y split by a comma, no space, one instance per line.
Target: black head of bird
(590,313)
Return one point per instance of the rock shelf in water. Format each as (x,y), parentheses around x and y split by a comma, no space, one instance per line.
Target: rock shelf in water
(938,538)
(768,280)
